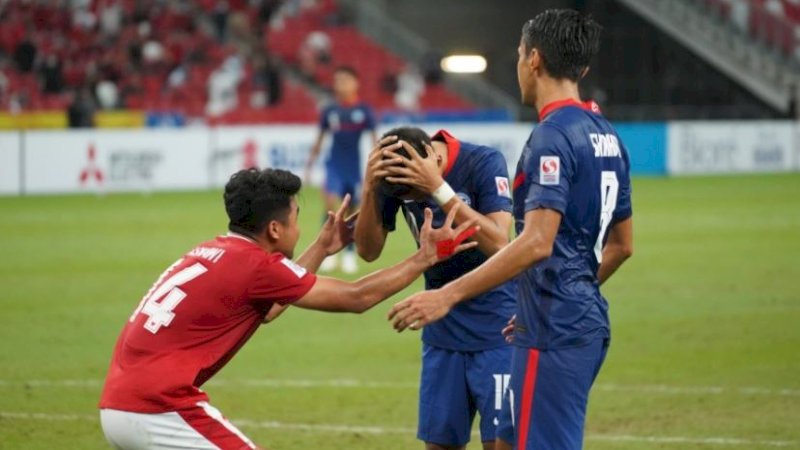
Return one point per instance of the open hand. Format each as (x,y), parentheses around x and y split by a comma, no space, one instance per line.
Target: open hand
(337,231)
(419,310)
(430,237)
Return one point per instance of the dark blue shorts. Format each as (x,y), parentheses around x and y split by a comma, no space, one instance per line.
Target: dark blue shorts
(339,185)
(545,405)
(454,386)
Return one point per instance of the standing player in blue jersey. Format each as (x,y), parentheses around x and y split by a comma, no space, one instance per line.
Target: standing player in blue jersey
(572,206)
(465,359)
(345,120)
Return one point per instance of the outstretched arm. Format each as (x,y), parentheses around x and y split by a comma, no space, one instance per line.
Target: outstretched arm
(533,245)
(329,294)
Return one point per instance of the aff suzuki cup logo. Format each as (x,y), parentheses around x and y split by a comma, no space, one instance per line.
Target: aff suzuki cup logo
(549,170)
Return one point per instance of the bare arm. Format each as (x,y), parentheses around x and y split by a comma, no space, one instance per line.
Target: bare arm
(533,245)
(329,294)
(370,235)
(316,147)
(333,295)
(618,248)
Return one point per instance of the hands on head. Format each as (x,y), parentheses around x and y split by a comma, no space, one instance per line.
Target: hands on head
(418,172)
(436,244)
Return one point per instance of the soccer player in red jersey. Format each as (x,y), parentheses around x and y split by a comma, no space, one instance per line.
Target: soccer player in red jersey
(206,306)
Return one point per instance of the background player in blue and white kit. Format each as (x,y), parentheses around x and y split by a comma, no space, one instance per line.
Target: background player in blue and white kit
(572,207)
(465,360)
(346,119)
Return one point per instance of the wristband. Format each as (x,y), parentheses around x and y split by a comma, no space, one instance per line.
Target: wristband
(447,247)
(443,194)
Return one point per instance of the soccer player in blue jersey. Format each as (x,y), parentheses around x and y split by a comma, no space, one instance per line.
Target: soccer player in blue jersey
(572,207)
(465,359)
(346,119)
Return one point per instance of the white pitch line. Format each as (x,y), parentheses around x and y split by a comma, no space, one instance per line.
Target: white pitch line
(359,384)
(380,430)
(695,390)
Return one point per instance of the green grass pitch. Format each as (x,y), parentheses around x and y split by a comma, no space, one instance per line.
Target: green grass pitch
(705,319)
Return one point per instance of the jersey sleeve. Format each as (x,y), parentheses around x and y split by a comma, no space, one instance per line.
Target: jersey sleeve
(624,208)
(387,210)
(492,186)
(324,125)
(550,168)
(279,279)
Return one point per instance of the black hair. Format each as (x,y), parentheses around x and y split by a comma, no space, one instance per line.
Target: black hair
(348,70)
(418,139)
(255,197)
(565,39)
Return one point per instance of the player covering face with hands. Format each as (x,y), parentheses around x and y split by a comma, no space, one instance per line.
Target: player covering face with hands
(464,358)
(209,303)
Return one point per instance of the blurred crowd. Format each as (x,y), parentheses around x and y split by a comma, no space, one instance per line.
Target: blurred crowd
(199,58)
(109,54)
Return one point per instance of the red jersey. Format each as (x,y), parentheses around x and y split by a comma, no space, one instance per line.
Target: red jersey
(193,320)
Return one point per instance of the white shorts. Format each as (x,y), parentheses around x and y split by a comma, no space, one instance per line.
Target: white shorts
(202,427)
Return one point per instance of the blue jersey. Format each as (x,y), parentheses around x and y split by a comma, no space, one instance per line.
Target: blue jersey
(573,163)
(346,123)
(479,176)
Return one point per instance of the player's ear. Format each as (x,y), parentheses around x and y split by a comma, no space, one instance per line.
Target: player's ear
(274,230)
(534,60)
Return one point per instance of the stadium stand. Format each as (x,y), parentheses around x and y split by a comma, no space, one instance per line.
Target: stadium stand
(774,23)
(225,62)
(377,67)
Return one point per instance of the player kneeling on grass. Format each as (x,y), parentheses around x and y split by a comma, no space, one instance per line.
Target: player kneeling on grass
(206,305)
(465,360)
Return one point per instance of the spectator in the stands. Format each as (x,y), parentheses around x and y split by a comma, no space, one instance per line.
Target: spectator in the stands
(410,87)
(266,10)
(266,81)
(110,17)
(219,18)
(222,84)
(82,15)
(431,67)
(107,94)
(81,111)
(3,80)
(52,75)
(25,53)
(315,50)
